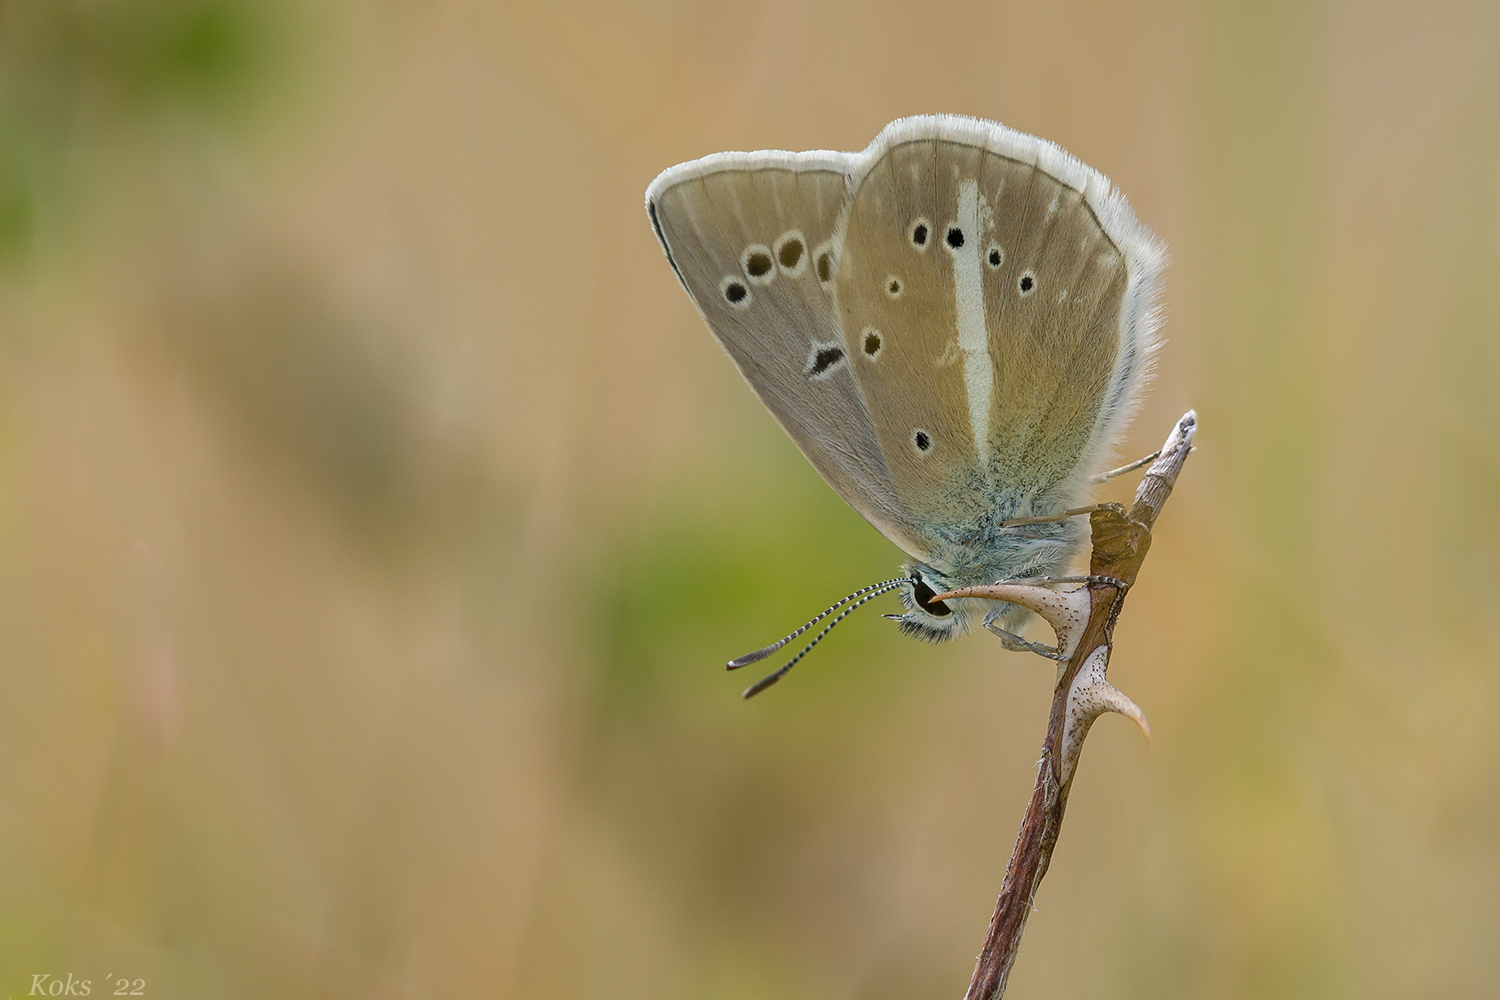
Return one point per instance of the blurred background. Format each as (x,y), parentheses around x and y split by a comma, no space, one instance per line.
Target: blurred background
(376,515)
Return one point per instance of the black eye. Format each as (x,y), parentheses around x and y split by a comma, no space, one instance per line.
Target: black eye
(955,237)
(924,596)
(919,234)
(1027,283)
(735,292)
(922,440)
(995,257)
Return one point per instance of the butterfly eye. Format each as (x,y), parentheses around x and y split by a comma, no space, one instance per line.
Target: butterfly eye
(872,342)
(924,594)
(893,286)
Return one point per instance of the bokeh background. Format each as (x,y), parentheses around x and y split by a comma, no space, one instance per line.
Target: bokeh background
(376,515)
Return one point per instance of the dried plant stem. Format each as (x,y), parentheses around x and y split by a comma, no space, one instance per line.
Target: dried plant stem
(1120,542)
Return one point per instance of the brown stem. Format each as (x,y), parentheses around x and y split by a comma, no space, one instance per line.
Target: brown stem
(1120,544)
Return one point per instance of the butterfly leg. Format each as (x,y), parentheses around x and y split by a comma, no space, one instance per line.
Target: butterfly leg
(1017,644)
(1092,580)
(1105,477)
(1062,516)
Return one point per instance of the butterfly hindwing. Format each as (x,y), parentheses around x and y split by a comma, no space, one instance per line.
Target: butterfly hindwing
(750,235)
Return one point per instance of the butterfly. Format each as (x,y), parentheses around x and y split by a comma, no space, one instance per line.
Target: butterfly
(953,325)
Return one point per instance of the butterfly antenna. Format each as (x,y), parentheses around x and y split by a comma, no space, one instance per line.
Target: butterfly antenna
(870,593)
(761,654)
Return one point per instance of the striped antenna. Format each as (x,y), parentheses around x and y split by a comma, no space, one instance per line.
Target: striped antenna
(761,654)
(867,594)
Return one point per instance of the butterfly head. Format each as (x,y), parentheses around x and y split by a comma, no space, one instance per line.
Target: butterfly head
(925,618)
(938,621)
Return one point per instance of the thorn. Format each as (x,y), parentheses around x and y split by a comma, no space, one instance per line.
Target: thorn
(1090,697)
(1116,700)
(1058,607)
(1067,611)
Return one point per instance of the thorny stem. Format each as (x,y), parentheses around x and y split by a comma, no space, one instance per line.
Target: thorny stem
(1120,543)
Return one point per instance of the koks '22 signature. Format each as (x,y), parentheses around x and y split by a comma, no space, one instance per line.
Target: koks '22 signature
(45,984)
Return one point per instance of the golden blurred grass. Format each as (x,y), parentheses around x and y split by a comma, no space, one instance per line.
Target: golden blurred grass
(375,513)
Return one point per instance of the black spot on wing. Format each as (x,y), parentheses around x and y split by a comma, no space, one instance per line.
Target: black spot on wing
(735,292)
(789,253)
(758,264)
(824,359)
